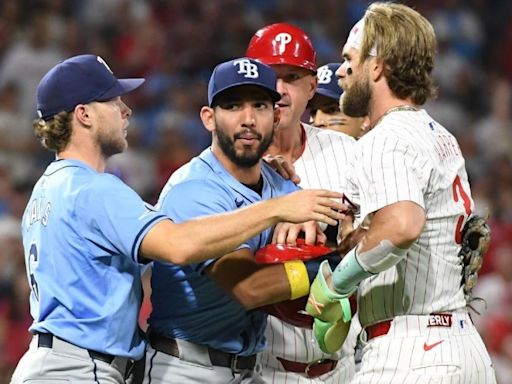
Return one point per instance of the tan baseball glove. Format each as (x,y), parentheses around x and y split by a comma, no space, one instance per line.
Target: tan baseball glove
(476,236)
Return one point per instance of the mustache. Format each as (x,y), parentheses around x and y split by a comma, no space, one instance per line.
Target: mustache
(239,135)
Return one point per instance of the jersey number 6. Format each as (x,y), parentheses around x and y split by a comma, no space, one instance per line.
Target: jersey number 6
(33,261)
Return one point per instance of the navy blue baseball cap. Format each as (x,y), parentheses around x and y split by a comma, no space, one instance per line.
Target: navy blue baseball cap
(80,79)
(243,71)
(328,82)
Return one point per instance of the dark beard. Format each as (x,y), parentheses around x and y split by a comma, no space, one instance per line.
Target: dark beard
(356,100)
(244,160)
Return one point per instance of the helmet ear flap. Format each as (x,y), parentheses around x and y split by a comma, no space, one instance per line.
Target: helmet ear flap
(283,43)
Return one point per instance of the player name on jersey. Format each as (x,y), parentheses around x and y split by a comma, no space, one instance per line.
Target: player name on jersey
(39,211)
(440,320)
(446,146)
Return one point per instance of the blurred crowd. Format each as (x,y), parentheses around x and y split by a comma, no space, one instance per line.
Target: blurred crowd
(175,44)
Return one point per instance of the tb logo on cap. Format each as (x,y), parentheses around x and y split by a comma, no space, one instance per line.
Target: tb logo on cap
(248,69)
(283,39)
(324,75)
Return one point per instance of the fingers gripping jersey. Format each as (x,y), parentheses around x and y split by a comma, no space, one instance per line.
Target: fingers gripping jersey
(323,164)
(409,156)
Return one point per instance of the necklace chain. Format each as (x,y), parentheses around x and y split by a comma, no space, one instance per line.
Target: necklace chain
(397,109)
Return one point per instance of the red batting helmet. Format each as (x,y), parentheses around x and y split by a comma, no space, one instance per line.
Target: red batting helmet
(282,43)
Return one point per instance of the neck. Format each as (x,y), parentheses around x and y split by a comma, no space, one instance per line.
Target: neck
(92,158)
(381,105)
(287,142)
(248,176)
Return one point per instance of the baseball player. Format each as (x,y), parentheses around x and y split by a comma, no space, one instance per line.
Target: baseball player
(85,232)
(409,186)
(203,327)
(324,107)
(320,158)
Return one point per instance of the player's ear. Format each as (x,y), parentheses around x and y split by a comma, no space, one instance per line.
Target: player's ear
(82,113)
(377,67)
(207,117)
(277,117)
(312,86)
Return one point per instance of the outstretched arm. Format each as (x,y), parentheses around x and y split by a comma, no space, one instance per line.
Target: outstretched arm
(251,284)
(213,236)
(254,285)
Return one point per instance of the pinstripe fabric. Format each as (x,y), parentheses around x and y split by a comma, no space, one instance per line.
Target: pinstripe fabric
(457,354)
(404,158)
(323,164)
(325,159)
(410,157)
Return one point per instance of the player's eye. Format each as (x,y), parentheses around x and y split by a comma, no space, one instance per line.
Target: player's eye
(261,105)
(291,77)
(229,106)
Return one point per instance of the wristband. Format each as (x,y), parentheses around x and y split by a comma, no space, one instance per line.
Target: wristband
(298,278)
(349,273)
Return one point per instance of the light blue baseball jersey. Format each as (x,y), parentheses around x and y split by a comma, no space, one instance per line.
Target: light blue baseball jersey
(187,304)
(81,234)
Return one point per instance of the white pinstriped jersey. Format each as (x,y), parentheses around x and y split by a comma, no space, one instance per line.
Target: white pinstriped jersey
(323,164)
(409,156)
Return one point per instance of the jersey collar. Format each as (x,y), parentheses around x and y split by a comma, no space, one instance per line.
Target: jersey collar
(208,157)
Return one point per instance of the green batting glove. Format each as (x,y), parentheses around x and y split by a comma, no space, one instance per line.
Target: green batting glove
(330,336)
(324,303)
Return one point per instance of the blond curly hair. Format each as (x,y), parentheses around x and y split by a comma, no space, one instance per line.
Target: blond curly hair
(55,134)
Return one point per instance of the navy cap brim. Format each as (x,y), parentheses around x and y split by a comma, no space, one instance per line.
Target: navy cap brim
(319,101)
(276,96)
(121,87)
(328,93)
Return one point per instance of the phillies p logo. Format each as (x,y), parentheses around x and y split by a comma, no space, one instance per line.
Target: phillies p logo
(283,39)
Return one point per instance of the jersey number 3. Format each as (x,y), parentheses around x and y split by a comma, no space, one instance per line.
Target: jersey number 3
(459,193)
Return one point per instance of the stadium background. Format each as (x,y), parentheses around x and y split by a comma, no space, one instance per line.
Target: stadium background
(176,43)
